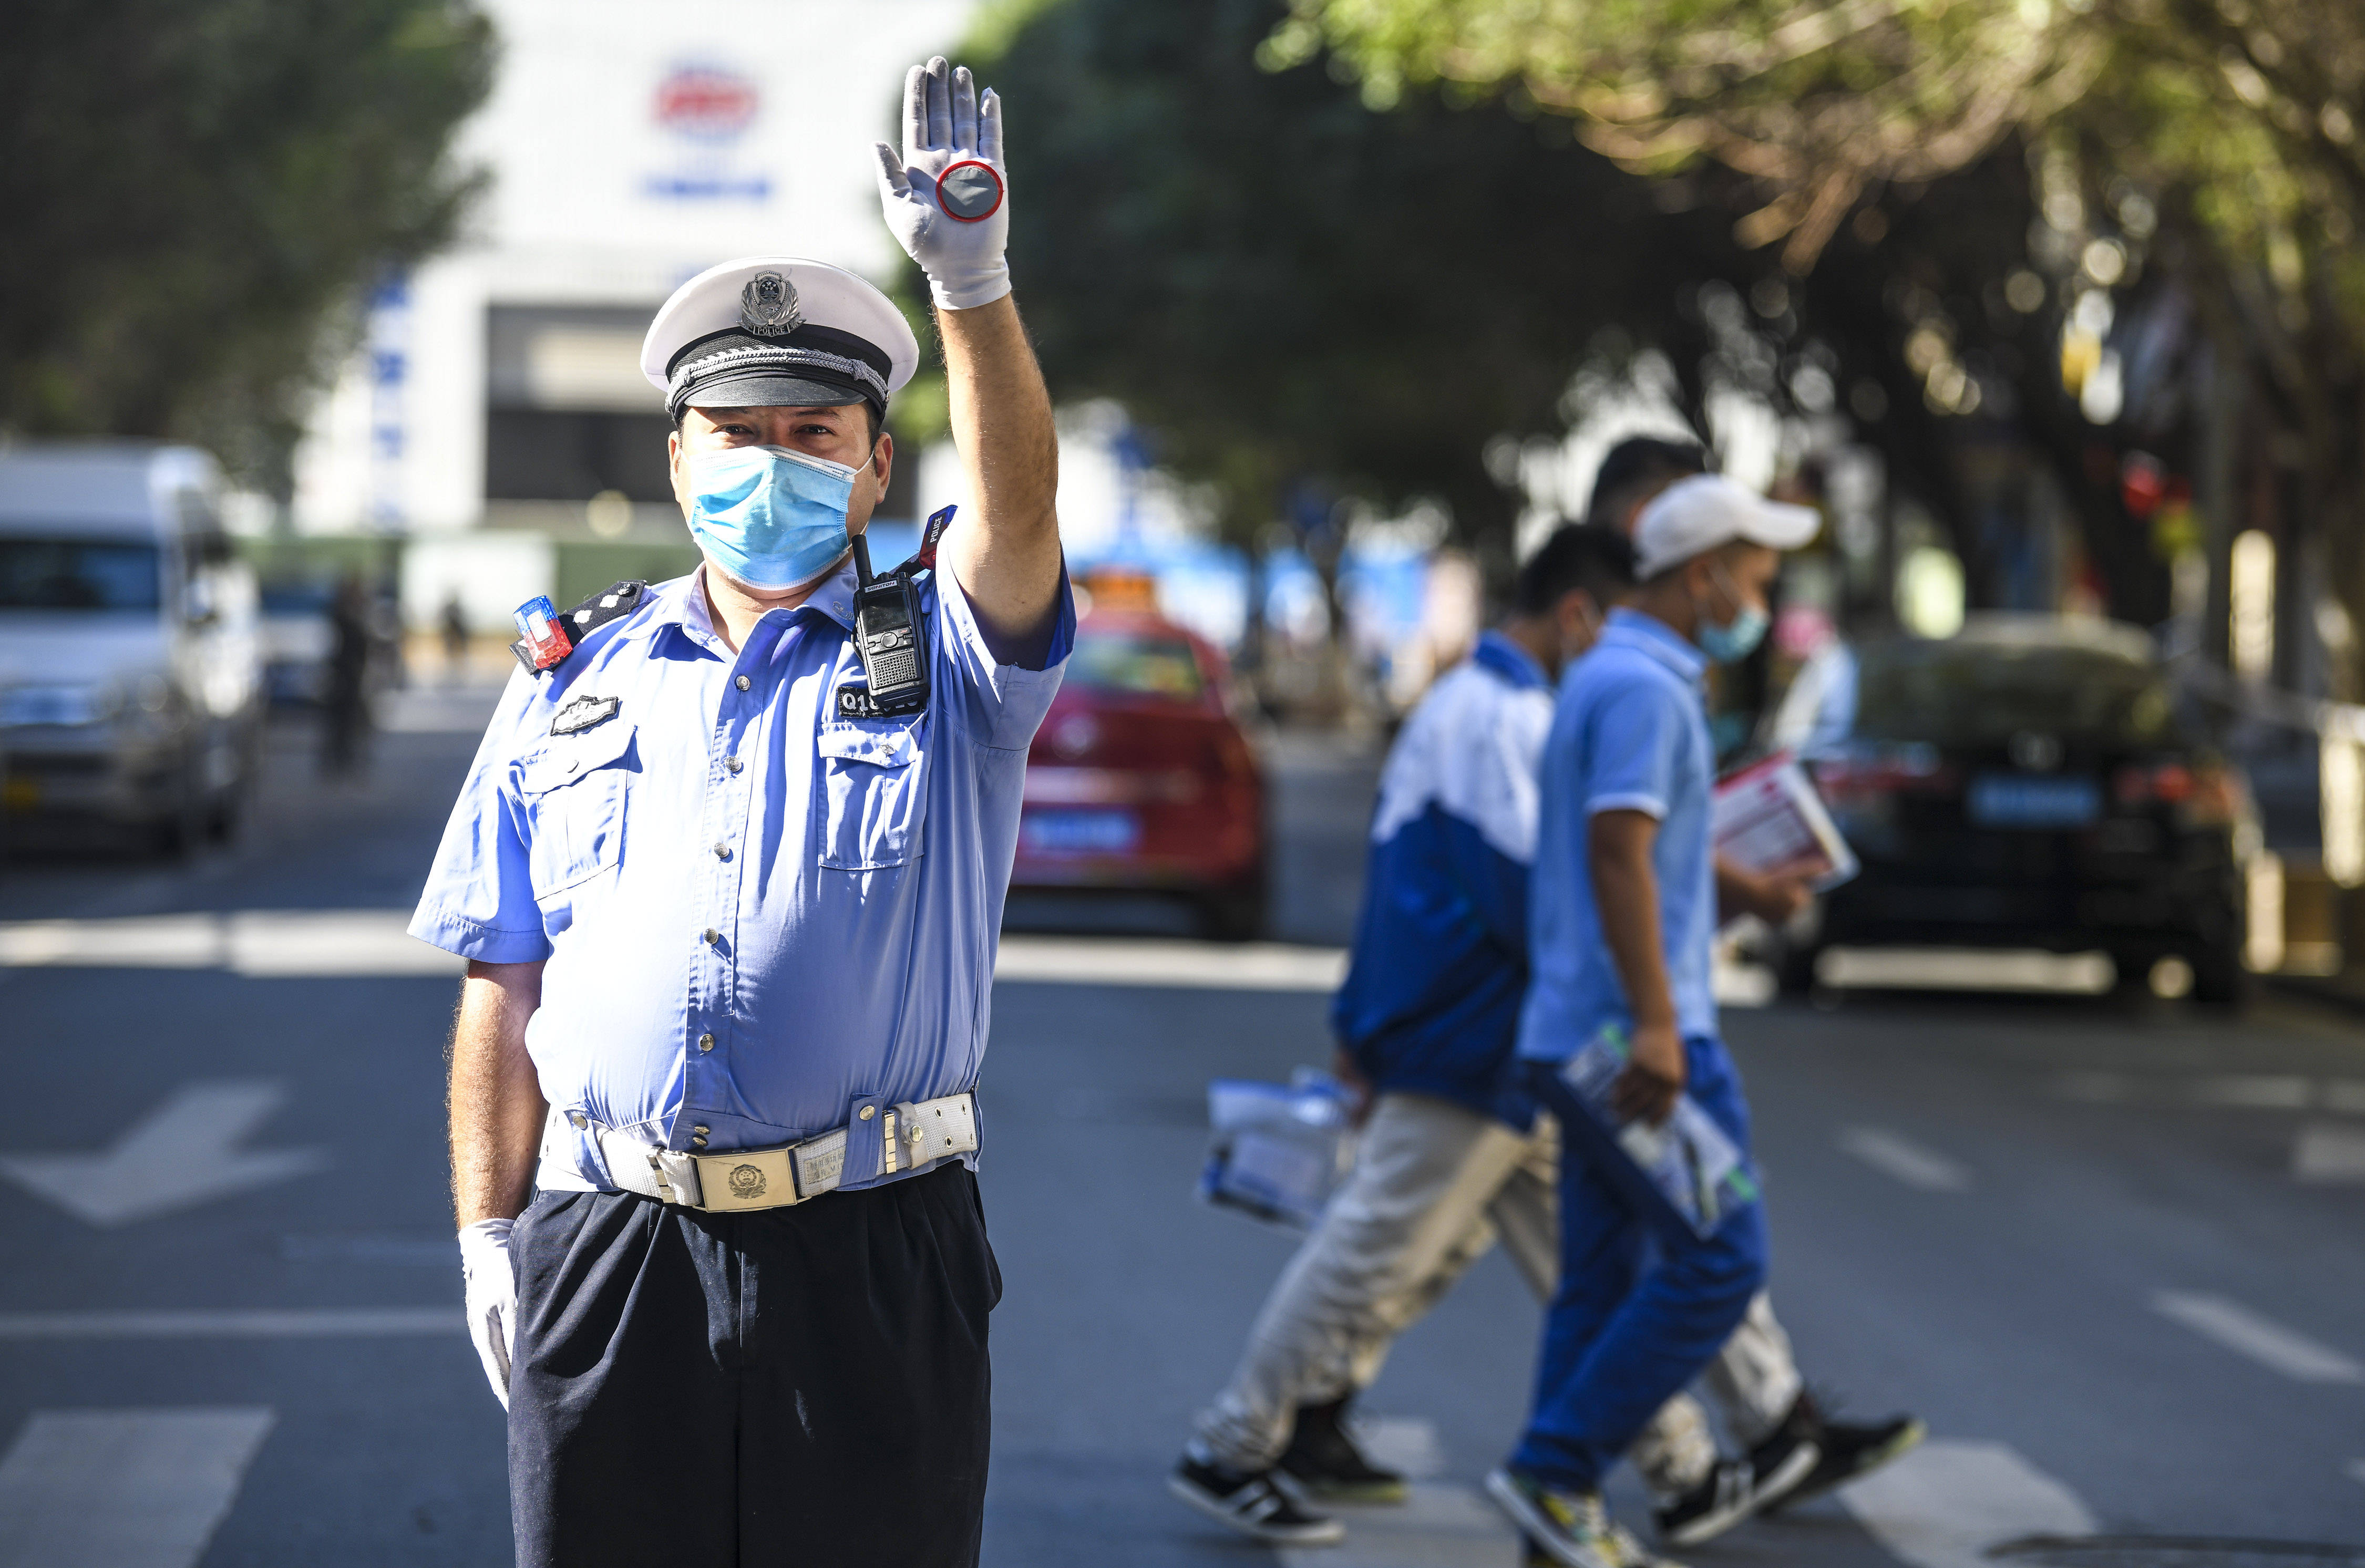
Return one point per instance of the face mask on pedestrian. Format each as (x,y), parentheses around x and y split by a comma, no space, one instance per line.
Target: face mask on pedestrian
(770,517)
(1737,638)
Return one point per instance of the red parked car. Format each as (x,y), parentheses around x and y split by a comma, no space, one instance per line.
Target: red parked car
(1140,780)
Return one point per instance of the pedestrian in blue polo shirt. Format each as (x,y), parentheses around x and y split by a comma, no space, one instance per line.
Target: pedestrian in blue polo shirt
(1623,916)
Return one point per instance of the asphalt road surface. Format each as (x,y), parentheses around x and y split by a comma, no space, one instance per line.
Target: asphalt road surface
(2109,1248)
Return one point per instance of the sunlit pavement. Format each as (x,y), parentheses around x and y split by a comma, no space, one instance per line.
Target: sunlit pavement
(2110,1248)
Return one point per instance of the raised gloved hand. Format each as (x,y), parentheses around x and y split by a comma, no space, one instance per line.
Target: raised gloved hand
(492,1298)
(945,194)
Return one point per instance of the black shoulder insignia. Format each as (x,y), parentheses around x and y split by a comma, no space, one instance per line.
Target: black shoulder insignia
(609,604)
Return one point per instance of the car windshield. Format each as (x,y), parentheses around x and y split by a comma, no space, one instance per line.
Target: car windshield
(1141,662)
(78,574)
(1973,694)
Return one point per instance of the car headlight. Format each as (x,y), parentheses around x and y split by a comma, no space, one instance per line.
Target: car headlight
(62,705)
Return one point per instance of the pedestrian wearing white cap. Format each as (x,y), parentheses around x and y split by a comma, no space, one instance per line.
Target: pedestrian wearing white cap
(728,871)
(1622,918)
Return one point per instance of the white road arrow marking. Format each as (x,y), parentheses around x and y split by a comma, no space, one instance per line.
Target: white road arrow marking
(183,1153)
(129,1489)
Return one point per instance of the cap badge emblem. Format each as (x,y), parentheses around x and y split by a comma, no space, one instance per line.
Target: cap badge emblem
(768,307)
(746,1181)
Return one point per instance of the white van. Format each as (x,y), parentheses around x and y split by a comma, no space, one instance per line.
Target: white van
(129,665)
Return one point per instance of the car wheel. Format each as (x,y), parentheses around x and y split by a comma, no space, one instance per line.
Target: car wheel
(182,828)
(1794,968)
(221,821)
(2218,978)
(1233,914)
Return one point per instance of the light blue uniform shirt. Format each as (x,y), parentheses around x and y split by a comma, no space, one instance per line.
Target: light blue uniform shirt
(1629,733)
(758,915)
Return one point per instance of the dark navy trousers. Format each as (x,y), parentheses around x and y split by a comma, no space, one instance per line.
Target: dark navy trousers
(788,1386)
(1643,1305)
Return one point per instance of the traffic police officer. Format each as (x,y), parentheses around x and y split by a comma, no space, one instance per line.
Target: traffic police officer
(728,873)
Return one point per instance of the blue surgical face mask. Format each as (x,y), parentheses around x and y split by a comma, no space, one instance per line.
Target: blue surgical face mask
(1737,638)
(770,517)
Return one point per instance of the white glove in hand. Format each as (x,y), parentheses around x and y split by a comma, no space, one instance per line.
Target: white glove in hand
(492,1298)
(944,196)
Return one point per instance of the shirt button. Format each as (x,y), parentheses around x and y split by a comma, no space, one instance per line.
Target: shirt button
(701,1131)
(731,762)
(705,1042)
(867,1111)
(743,683)
(710,937)
(579,1119)
(699,1142)
(722,852)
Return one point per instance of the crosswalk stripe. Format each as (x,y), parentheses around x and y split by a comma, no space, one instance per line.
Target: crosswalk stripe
(1437,1527)
(127,1489)
(1947,1502)
(2265,1341)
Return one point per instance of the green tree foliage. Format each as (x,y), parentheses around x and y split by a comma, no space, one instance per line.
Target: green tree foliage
(198,191)
(2233,130)
(1285,288)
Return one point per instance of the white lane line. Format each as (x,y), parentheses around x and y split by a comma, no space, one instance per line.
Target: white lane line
(1250,966)
(127,1489)
(263,944)
(2252,1092)
(1944,1504)
(2265,1341)
(313,1322)
(182,1153)
(2329,1152)
(1893,1154)
(1439,1526)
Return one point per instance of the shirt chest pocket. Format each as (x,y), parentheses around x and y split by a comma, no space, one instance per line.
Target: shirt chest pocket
(574,791)
(870,780)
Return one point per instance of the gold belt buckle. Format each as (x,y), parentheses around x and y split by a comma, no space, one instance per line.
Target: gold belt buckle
(747,1178)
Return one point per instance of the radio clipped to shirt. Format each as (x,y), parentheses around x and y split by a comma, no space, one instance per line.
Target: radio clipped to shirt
(890,631)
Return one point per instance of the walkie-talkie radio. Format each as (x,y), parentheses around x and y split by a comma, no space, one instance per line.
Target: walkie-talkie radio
(890,631)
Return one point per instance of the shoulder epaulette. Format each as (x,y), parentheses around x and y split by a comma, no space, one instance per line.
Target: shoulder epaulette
(608,604)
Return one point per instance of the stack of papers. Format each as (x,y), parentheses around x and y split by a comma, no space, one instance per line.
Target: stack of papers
(1684,1163)
(1768,817)
(1279,1150)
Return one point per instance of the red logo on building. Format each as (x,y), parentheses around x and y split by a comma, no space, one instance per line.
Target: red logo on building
(706,102)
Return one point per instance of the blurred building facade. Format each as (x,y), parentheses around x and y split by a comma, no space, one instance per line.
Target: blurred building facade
(495,417)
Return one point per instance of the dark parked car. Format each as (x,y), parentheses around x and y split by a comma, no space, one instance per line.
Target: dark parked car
(1139,778)
(2027,783)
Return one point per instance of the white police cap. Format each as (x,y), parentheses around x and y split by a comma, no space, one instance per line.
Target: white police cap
(777,331)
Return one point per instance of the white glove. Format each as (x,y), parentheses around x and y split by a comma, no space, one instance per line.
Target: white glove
(945,194)
(492,1298)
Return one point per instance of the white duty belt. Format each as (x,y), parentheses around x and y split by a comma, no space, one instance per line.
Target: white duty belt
(912,1135)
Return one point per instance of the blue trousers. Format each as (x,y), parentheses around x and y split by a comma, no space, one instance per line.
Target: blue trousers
(1643,1306)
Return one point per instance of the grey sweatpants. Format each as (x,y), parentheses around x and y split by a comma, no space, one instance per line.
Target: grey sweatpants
(1434,1186)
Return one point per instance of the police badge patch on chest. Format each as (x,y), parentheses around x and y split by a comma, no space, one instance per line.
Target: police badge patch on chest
(583,714)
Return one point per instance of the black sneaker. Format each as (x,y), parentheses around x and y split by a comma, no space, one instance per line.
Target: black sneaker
(1735,1488)
(1323,1460)
(1251,1505)
(1852,1448)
